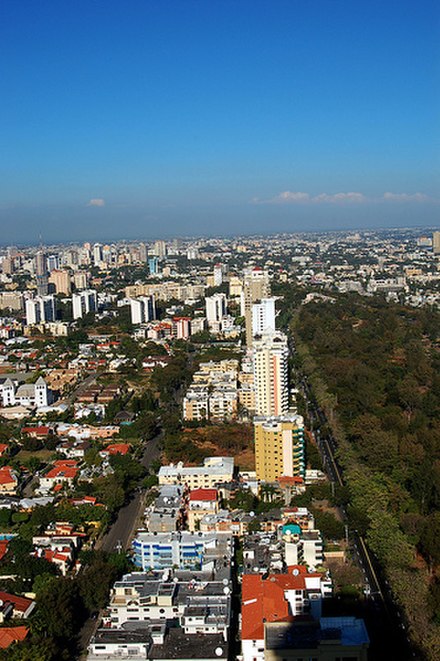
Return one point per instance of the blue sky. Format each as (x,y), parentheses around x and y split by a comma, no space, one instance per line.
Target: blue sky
(142,118)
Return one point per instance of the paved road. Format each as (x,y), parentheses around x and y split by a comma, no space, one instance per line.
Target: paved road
(69,400)
(122,531)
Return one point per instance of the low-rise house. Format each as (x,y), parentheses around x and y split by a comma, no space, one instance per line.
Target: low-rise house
(114,449)
(200,503)
(9,635)
(64,471)
(214,470)
(277,598)
(8,481)
(13,606)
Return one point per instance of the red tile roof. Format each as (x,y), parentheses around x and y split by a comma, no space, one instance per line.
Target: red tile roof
(9,635)
(3,448)
(20,604)
(117,448)
(6,476)
(3,547)
(43,430)
(203,494)
(263,600)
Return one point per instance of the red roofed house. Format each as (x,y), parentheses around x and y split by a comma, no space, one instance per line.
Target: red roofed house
(200,503)
(115,448)
(63,558)
(277,598)
(3,547)
(3,448)
(8,481)
(9,635)
(13,606)
(63,471)
(37,432)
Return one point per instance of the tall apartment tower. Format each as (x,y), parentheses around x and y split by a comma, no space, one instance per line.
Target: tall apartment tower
(279,447)
(215,308)
(40,309)
(97,254)
(142,309)
(436,243)
(270,358)
(41,273)
(263,317)
(160,249)
(218,275)
(256,286)
(61,280)
(84,302)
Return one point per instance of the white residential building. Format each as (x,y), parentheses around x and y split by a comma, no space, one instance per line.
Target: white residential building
(84,302)
(215,308)
(270,355)
(40,309)
(142,309)
(263,317)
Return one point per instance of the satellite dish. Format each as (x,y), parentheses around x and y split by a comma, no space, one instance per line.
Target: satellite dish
(219,651)
(225,581)
(295,572)
(226,590)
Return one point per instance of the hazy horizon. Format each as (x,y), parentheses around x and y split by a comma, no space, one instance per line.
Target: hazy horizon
(164,118)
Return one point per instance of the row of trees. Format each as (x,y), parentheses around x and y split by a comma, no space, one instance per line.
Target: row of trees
(374,369)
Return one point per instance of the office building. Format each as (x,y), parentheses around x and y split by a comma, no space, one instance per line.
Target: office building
(279,447)
(436,243)
(270,356)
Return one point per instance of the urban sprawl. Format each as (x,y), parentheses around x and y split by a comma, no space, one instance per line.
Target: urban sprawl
(153,419)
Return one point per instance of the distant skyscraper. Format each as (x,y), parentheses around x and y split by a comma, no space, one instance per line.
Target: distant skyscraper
(270,356)
(160,249)
(436,243)
(97,254)
(61,280)
(143,253)
(256,286)
(53,263)
(218,275)
(279,447)
(263,317)
(40,265)
(153,265)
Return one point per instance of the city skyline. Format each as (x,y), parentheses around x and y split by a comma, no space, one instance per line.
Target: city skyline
(169,119)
